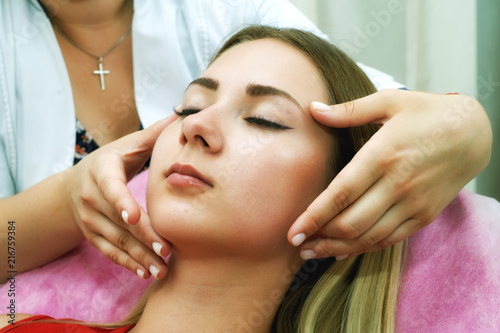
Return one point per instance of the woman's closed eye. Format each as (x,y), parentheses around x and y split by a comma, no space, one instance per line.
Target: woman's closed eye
(257,121)
(186,112)
(265,123)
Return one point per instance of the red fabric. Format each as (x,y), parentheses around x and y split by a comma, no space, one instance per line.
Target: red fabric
(37,324)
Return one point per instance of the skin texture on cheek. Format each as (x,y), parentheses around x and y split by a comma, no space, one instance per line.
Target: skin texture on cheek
(289,181)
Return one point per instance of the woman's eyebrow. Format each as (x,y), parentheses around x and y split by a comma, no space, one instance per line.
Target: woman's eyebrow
(206,82)
(254,89)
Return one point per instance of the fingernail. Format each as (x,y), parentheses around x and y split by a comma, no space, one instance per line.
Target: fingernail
(140,273)
(307,254)
(342,257)
(157,247)
(298,239)
(321,106)
(154,271)
(125,216)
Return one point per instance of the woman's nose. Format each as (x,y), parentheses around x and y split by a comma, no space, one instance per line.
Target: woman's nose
(202,130)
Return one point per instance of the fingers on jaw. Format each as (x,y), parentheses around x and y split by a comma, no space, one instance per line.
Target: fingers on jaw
(117,195)
(375,235)
(343,227)
(326,206)
(151,264)
(310,222)
(343,249)
(98,214)
(140,236)
(342,198)
(375,238)
(119,256)
(360,218)
(146,234)
(322,248)
(325,248)
(126,209)
(156,265)
(336,199)
(124,249)
(141,253)
(402,232)
(162,250)
(398,223)
(340,249)
(127,212)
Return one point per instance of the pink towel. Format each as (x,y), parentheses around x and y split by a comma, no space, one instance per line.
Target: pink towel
(83,284)
(450,284)
(451,281)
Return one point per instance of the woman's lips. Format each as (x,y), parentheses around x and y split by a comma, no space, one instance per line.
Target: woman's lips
(184,175)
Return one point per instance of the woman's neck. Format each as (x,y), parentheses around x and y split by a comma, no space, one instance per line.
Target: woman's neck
(223,295)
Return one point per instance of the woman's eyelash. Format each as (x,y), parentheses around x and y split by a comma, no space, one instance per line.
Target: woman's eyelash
(185,112)
(266,123)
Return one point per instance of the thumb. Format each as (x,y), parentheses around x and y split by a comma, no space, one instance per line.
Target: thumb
(144,140)
(375,108)
(139,145)
(148,136)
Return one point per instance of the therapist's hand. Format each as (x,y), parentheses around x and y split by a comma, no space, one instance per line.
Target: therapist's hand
(105,210)
(428,147)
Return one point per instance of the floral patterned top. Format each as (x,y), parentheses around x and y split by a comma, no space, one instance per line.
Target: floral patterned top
(85,144)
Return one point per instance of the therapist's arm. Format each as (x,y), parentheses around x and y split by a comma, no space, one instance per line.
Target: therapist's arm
(36,226)
(85,201)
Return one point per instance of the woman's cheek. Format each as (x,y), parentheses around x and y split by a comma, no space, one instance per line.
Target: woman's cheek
(286,182)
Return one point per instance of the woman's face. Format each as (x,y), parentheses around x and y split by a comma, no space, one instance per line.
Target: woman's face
(245,158)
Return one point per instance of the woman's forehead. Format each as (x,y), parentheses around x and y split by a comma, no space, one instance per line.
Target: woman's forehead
(270,62)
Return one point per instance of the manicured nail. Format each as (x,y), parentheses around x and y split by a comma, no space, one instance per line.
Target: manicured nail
(307,254)
(157,247)
(298,239)
(342,257)
(140,273)
(321,106)
(125,216)
(154,271)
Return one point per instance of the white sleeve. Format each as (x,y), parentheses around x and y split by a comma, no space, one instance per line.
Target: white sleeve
(380,79)
(6,183)
(7,187)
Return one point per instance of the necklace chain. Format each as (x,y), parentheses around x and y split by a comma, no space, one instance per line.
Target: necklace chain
(101,71)
(122,38)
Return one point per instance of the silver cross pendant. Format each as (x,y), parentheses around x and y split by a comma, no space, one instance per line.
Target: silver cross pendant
(101,73)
